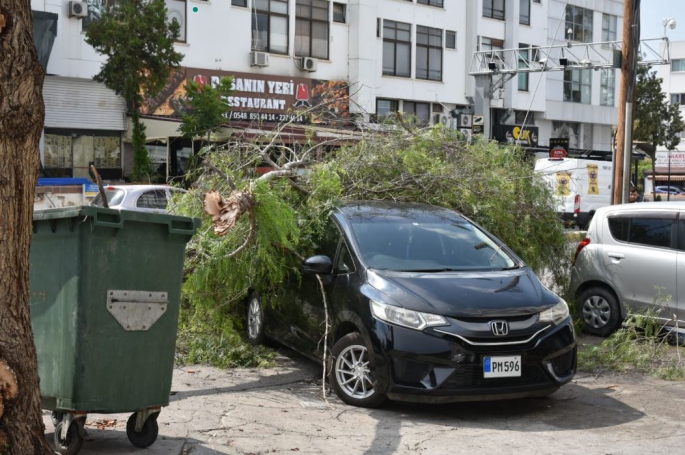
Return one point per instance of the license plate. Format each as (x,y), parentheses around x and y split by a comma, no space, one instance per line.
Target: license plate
(502,367)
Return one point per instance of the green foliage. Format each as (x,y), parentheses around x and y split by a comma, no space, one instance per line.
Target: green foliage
(640,346)
(209,338)
(206,107)
(139,45)
(143,170)
(494,186)
(138,42)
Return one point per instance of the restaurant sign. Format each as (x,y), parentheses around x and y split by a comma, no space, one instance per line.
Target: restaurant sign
(260,97)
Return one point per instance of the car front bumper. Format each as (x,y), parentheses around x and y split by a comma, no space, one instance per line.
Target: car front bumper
(430,367)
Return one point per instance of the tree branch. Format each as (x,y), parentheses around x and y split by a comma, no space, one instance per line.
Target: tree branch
(218,171)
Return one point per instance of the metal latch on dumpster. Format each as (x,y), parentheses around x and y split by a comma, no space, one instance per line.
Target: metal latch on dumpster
(137,310)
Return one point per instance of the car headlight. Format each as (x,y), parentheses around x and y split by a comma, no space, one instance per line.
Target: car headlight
(558,313)
(406,318)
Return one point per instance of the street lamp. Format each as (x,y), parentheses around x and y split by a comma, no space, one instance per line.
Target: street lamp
(668,22)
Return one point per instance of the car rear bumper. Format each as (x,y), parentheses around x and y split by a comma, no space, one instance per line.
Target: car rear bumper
(428,368)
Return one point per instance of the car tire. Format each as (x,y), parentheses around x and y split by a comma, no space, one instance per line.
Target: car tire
(600,313)
(255,320)
(352,374)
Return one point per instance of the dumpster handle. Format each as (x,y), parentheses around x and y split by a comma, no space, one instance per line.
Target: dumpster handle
(112,220)
(182,227)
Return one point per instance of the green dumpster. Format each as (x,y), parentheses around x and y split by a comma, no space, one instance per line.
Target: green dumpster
(105,291)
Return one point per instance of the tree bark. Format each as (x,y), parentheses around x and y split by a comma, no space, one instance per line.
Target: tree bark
(21,122)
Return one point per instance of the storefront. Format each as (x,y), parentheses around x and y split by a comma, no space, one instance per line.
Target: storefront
(84,124)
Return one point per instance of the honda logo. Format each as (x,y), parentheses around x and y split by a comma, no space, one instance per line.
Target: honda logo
(499,328)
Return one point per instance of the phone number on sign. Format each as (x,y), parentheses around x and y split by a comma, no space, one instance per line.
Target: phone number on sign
(252,116)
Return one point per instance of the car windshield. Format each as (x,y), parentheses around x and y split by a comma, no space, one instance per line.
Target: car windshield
(114,197)
(426,244)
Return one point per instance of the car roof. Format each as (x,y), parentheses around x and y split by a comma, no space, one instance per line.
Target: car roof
(643,206)
(394,209)
(141,188)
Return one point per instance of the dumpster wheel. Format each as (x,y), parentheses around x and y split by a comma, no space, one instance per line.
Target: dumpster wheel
(148,433)
(72,443)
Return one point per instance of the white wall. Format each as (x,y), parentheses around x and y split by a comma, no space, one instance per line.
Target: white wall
(674,81)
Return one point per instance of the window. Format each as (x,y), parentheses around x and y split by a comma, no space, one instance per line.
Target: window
(396,49)
(428,53)
(578,24)
(649,230)
(155,199)
(450,40)
(607,87)
(94,12)
(571,130)
(311,29)
(678,98)
(524,12)
(339,13)
(270,26)
(438,3)
(420,112)
(493,9)
(678,65)
(344,264)
(68,153)
(578,86)
(385,108)
(176,11)
(491,44)
(609,27)
(523,59)
(57,151)
(239,3)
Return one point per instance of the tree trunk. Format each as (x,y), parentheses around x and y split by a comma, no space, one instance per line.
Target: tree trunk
(21,122)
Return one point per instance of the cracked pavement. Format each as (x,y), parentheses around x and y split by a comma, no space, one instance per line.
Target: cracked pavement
(280,410)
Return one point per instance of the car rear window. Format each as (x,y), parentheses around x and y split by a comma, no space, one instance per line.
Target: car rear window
(433,244)
(155,199)
(114,197)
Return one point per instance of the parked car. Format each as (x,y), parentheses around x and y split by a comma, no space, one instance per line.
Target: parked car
(144,198)
(425,306)
(632,258)
(668,189)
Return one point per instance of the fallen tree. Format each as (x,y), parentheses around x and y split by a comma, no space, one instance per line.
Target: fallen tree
(262,226)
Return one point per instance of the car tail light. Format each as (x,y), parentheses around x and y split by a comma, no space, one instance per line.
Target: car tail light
(583,243)
(576,204)
(110,188)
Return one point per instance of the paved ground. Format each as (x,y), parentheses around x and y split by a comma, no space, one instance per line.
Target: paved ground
(280,411)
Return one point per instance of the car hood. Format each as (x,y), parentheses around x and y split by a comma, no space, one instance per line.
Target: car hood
(463,294)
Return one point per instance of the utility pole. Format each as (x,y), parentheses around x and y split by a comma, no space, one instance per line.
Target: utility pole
(624,140)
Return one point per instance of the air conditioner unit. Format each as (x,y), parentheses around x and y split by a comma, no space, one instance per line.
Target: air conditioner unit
(78,9)
(309,64)
(259,58)
(441,119)
(467,133)
(465,120)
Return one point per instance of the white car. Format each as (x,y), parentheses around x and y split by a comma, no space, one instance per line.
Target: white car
(142,198)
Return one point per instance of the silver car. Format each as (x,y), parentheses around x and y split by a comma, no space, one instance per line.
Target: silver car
(143,198)
(632,258)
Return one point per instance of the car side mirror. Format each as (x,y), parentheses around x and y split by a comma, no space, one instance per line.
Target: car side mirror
(318,265)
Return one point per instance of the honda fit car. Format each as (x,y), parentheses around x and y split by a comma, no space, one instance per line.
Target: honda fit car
(424,306)
(631,259)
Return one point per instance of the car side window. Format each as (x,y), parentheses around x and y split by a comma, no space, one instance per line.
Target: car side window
(154,199)
(618,226)
(642,230)
(329,239)
(344,264)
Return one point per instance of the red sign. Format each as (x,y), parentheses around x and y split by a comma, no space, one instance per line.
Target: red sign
(558,148)
(260,97)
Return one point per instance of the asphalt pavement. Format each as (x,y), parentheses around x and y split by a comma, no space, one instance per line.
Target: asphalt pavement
(281,410)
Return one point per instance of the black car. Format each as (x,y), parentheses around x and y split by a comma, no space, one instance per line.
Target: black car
(424,306)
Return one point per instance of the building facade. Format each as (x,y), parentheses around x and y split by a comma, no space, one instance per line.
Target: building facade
(361,59)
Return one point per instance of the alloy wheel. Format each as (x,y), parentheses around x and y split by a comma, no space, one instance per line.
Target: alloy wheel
(353,374)
(254,318)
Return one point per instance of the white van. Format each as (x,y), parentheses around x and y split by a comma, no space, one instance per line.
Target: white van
(581,186)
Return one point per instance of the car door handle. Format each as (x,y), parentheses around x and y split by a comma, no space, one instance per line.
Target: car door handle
(616,255)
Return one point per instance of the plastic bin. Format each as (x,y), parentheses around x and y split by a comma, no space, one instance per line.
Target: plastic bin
(105,292)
